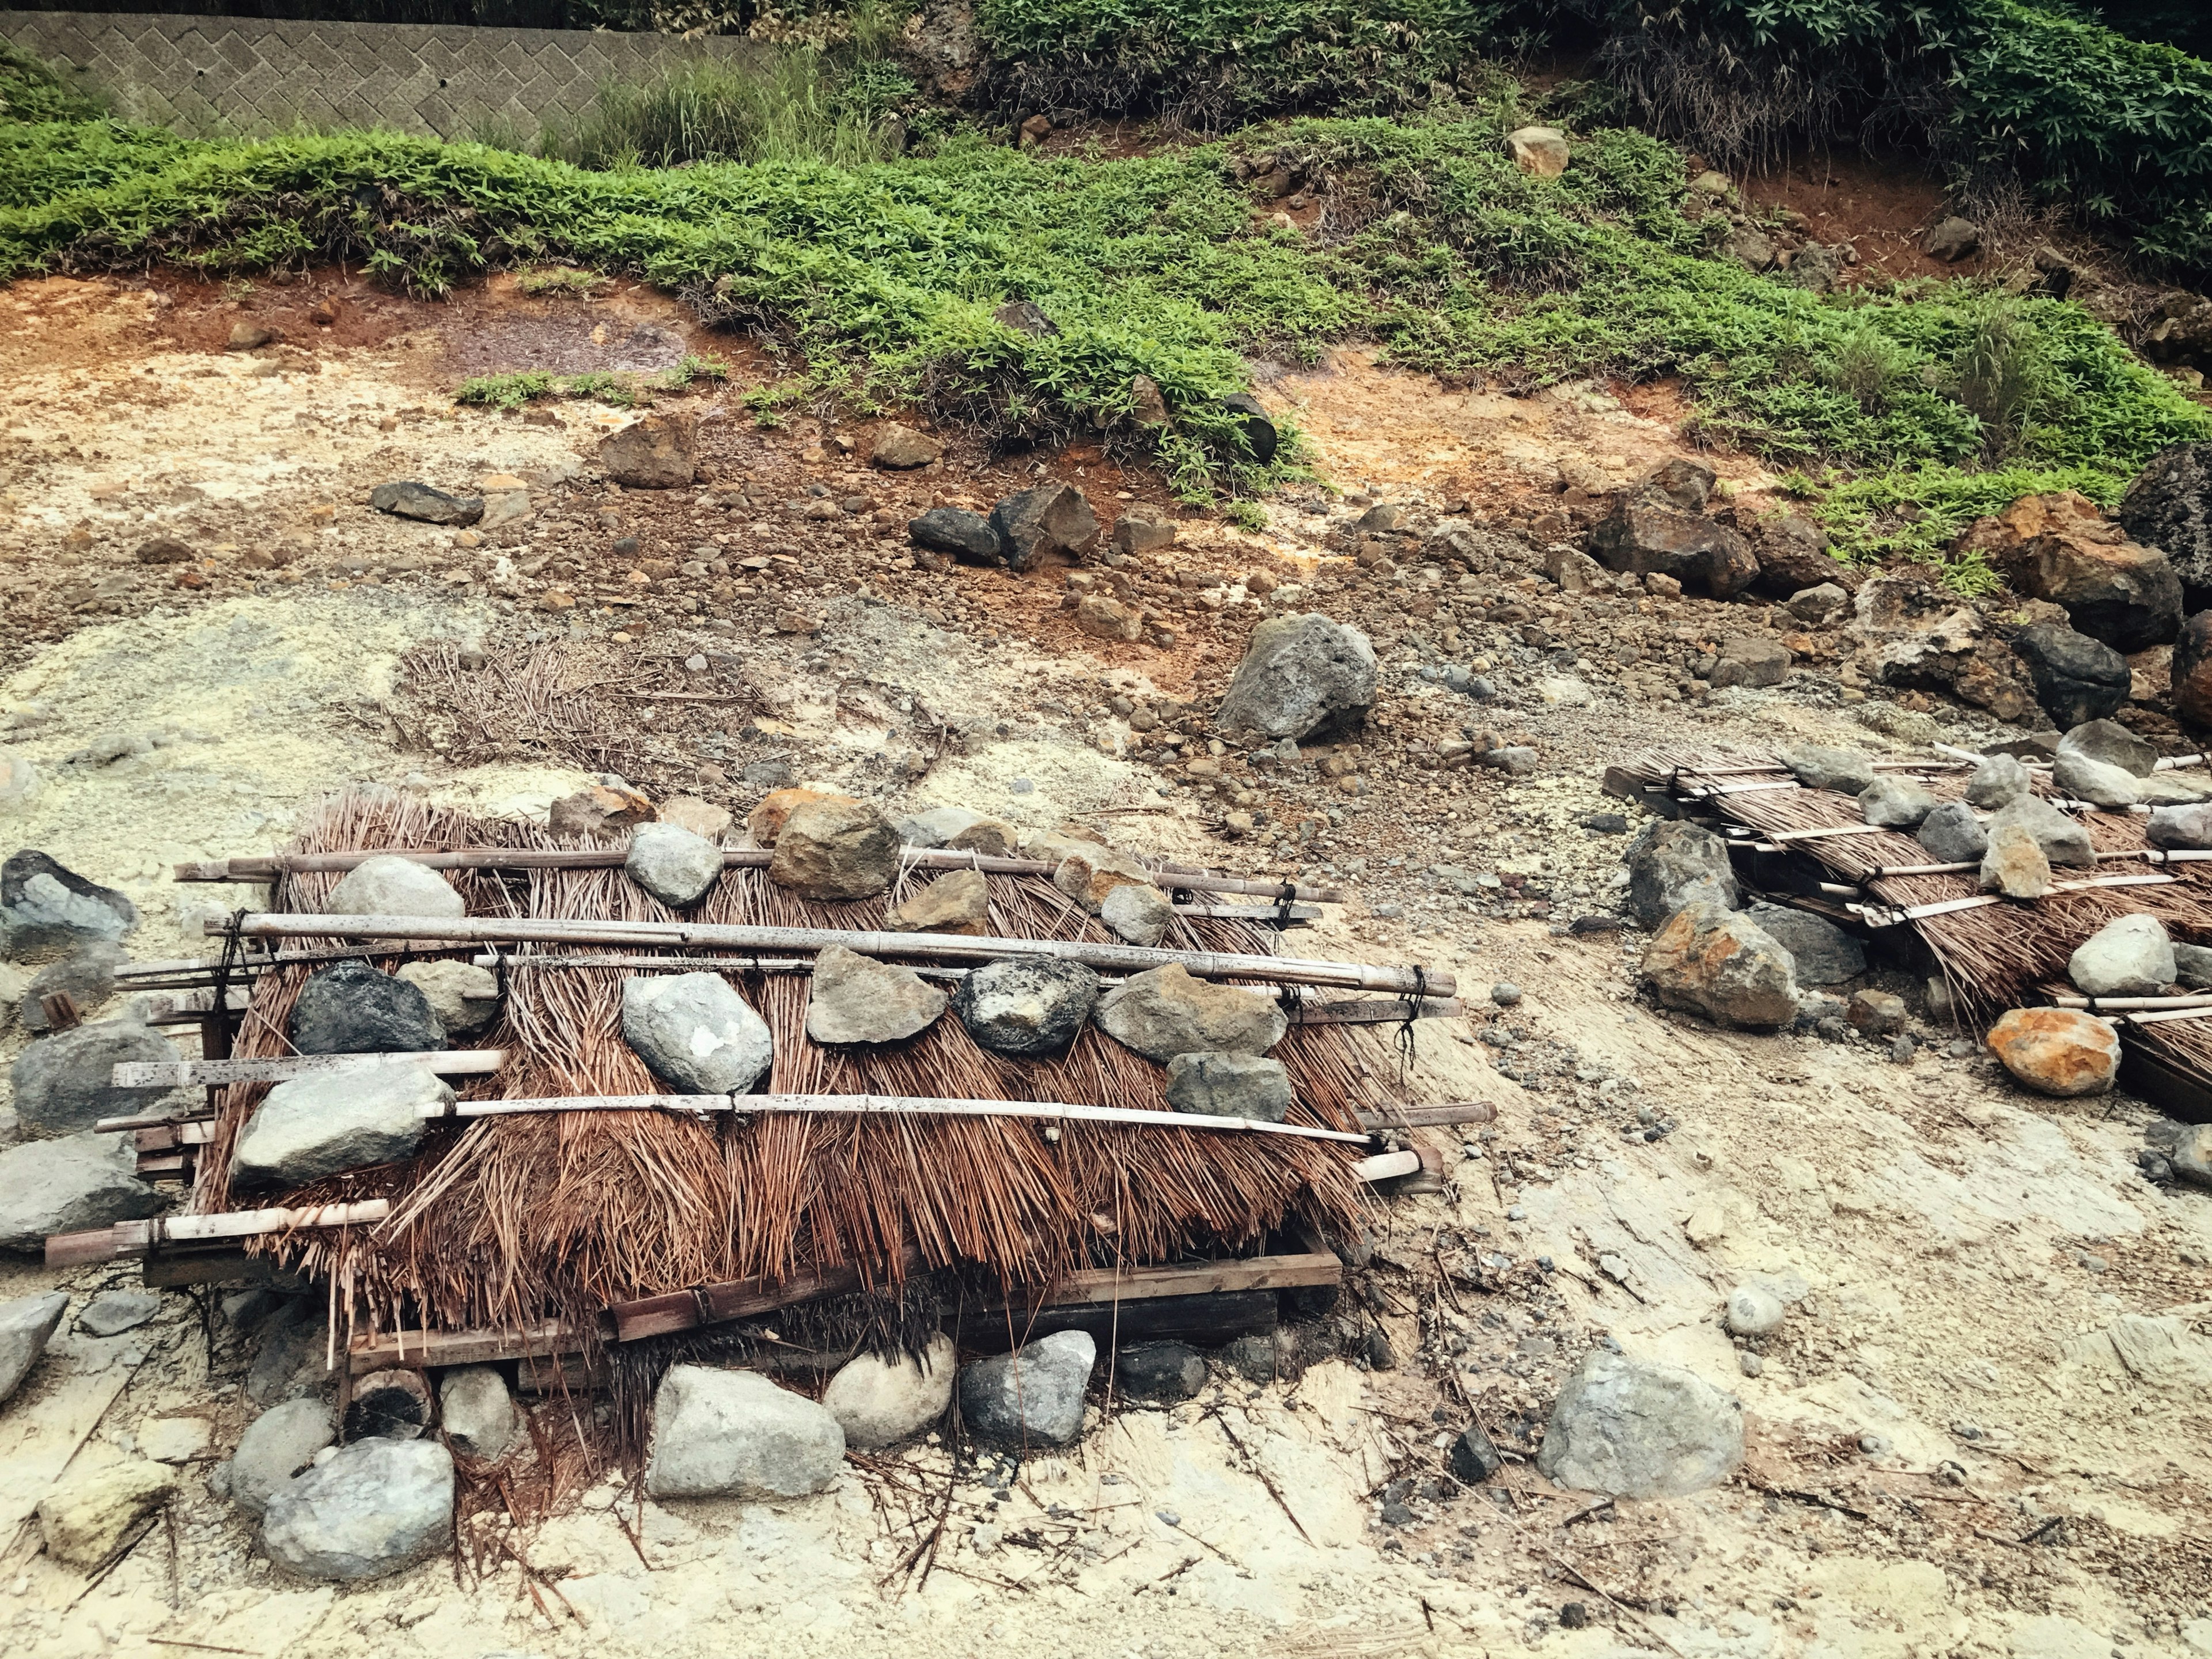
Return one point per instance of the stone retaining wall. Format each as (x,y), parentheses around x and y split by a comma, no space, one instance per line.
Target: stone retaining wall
(206,75)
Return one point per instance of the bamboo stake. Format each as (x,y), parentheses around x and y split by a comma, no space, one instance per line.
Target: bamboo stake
(733,857)
(130,1238)
(2101,1004)
(1126,959)
(217,1073)
(888,1106)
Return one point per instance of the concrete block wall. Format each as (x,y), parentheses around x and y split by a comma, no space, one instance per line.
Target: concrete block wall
(209,75)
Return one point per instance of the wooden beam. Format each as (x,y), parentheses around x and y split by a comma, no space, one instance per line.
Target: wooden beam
(375,1352)
(214,1073)
(1097,1286)
(1428,1117)
(191,1007)
(737,1298)
(1376,1013)
(753,858)
(1125,958)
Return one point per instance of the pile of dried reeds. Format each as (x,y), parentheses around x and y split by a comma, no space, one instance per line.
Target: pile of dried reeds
(506,1222)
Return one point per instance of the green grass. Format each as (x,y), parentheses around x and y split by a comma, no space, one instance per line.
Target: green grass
(622,390)
(876,282)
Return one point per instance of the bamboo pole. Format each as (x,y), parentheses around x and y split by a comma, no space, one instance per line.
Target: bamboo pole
(129,1238)
(734,858)
(218,1073)
(888,1106)
(2101,1004)
(1125,958)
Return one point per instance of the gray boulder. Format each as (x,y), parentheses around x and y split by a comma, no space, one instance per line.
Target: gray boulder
(1721,965)
(1138,912)
(1952,835)
(68,1185)
(1999,780)
(2112,788)
(879,1402)
(1299,676)
(2169,507)
(350,1008)
(1160,1372)
(1164,1012)
(952,530)
(113,1312)
(1032,1397)
(65,1083)
(2180,829)
(1895,803)
(1821,602)
(735,1434)
(1753,659)
(2077,678)
(1822,953)
(957,901)
(1631,1428)
(1026,1007)
(475,1411)
(2113,744)
(2192,967)
(1753,1310)
(1051,520)
(2062,839)
(464,997)
(1230,1085)
(392,886)
(2127,957)
(695,1033)
(1847,771)
(275,1446)
(1672,864)
(47,911)
(857,998)
(26,1324)
(311,1126)
(374,1508)
(676,866)
(87,978)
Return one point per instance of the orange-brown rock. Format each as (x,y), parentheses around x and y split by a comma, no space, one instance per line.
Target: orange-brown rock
(835,848)
(2057,1051)
(595,811)
(2059,547)
(766,820)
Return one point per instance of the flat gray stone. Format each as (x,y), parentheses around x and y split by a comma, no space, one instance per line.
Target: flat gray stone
(2112,788)
(1299,675)
(1137,912)
(2127,957)
(1164,1012)
(69,1185)
(1672,864)
(1999,780)
(48,911)
(1895,803)
(1230,1085)
(391,886)
(475,1411)
(26,1324)
(676,866)
(275,1446)
(2174,789)
(1032,1397)
(1847,771)
(857,998)
(65,1083)
(2180,827)
(1952,835)
(696,1032)
(464,997)
(1160,1373)
(735,1434)
(352,1008)
(1820,952)
(2192,967)
(308,1127)
(2112,744)
(110,1313)
(376,1507)
(879,1402)
(1632,1428)
(1026,1007)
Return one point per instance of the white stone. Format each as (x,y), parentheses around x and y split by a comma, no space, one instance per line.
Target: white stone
(676,866)
(2128,957)
(392,886)
(311,1126)
(878,1403)
(735,1434)
(1753,1311)
(464,997)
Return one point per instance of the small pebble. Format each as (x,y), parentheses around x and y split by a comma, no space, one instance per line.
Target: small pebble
(1960,1049)
(1170,1516)
(1750,1363)
(1505,993)
(1901,1051)
(1517,1214)
(1874,1446)
(1022,786)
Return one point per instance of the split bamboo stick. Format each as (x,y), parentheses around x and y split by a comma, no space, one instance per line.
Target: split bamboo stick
(2103,1005)
(129,1238)
(217,1073)
(735,858)
(1126,959)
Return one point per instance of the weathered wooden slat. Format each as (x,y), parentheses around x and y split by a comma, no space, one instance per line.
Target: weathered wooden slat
(129,1238)
(740,1298)
(1376,1013)
(216,1073)
(1093,1286)
(374,1353)
(1429,1117)
(1126,959)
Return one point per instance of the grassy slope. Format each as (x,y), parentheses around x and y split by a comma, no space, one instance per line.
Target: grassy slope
(883,279)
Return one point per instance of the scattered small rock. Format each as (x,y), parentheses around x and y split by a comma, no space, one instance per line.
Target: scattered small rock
(599,811)
(1998,781)
(1505,993)
(308,1128)
(957,533)
(656,451)
(1164,1012)
(2062,839)
(1820,952)
(901,449)
(1299,676)
(1672,864)
(957,901)
(411,499)
(1877,1014)
(65,1083)
(1160,1373)
(1539,152)
(1753,1310)
(1230,1085)
(1473,1459)
(1137,912)
(695,1032)
(1050,519)
(1632,1428)
(275,1446)
(87,979)
(1951,834)
(2128,957)
(1848,771)
(86,1518)
(68,1185)
(1724,966)
(1895,803)
(676,866)
(475,1411)
(110,1313)
(834,848)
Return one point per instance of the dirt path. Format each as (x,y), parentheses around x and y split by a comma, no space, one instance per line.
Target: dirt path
(1979,1431)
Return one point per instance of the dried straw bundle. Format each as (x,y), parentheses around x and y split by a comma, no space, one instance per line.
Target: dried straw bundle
(505,1223)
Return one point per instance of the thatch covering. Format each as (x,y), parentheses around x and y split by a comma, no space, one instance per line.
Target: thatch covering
(504,1223)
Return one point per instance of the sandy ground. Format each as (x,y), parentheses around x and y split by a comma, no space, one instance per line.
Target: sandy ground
(1957,1257)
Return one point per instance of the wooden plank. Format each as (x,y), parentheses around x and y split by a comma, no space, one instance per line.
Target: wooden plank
(1375,1013)
(1266,913)
(1126,959)
(152,1166)
(216,1073)
(739,1298)
(1204,1321)
(127,1238)
(190,1007)
(2181,1091)
(1429,1117)
(375,1352)
(1097,1286)
(167,1269)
